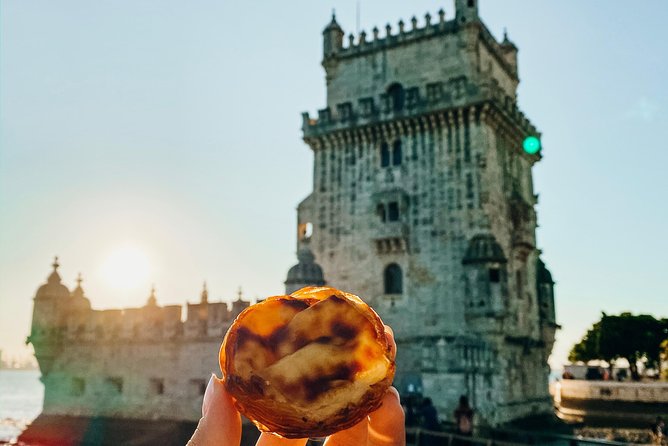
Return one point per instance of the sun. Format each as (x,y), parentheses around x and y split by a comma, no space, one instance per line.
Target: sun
(126,268)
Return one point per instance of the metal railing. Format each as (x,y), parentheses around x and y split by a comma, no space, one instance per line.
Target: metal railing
(500,437)
(424,437)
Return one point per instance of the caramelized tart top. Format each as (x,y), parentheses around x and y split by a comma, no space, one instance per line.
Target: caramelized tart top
(299,363)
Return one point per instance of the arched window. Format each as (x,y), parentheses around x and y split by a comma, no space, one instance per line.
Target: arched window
(396,92)
(384,155)
(393,278)
(396,153)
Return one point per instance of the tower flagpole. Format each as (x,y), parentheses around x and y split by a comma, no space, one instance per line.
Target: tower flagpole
(358,17)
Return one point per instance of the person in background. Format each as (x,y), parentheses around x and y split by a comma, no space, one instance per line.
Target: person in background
(429,416)
(659,432)
(411,415)
(464,417)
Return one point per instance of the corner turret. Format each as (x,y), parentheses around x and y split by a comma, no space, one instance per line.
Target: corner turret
(239,305)
(48,319)
(509,51)
(53,288)
(79,301)
(545,291)
(204,297)
(466,11)
(152,301)
(486,278)
(305,273)
(332,38)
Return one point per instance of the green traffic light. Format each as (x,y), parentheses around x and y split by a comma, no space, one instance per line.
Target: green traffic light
(531,145)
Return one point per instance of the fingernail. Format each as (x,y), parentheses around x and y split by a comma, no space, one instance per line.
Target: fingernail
(208,395)
(393,390)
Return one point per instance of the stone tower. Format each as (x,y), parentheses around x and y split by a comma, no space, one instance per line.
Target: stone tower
(423,204)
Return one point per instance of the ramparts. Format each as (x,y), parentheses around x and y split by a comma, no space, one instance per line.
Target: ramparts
(363,44)
(152,323)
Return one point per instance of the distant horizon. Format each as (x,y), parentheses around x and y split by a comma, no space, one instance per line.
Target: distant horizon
(160,143)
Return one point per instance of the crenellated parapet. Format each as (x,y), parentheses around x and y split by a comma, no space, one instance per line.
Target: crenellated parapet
(402,34)
(414,31)
(63,319)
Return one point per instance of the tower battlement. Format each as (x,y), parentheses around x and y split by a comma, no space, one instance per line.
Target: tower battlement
(404,34)
(73,322)
(451,60)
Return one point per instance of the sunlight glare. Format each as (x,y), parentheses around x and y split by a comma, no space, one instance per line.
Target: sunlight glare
(126,268)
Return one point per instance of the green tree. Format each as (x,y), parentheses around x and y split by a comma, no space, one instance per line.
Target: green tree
(627,336)
(587,348)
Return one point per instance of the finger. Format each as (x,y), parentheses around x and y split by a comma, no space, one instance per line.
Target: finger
(273,440)
(389,334)
(386,425)
(220,420)
(356,435)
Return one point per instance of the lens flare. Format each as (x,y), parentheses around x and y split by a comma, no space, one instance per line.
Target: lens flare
(126,268)
(531,145)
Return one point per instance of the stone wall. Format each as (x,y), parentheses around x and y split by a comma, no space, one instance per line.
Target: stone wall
(141,363)
(143,380)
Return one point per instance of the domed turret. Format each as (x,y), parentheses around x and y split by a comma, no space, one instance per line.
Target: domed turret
(152,300)
(53,286)
(485,269)
(545,292)
(543,275)
(52,303)
(332,38)
(239,305)
(79,299)
(304,273)
(509,51)
(483,248)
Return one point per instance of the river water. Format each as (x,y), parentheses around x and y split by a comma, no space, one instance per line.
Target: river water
(21,395)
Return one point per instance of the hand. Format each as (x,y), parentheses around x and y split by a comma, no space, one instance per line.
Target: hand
(220,424)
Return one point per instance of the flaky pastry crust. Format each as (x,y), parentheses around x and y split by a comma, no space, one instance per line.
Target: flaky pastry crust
(307,364)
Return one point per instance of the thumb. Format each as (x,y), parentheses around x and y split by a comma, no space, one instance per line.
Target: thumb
(220,423)
(386,425)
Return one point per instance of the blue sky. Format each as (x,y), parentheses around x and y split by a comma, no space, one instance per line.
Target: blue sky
(174,127)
